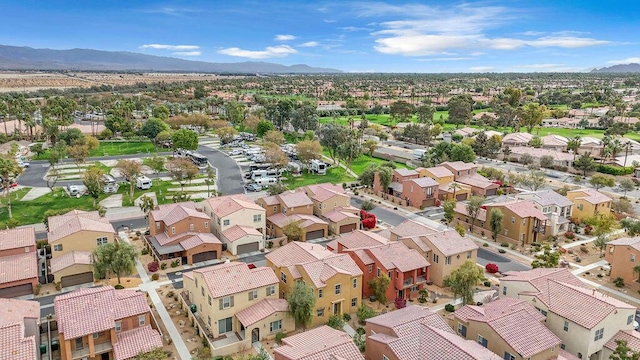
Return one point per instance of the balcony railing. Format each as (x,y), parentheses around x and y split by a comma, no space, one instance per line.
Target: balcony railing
(407,282)
(421,279)
(539,229)
(98,348)
(203,325)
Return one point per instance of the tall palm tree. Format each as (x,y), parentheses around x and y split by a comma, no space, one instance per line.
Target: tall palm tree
(573,145)
(454,186)
(8,169)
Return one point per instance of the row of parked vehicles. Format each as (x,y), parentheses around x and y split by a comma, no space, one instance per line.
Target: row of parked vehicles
(110,185)
(198,159)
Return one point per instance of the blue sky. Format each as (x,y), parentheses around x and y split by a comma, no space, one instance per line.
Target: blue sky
(366,36)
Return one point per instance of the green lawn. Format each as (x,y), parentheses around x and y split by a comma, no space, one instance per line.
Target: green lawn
(385,119)
(363,161)
(334,175)
(540,131)
(123,148)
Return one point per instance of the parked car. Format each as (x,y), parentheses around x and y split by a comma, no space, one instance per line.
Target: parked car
(23,164)
(253,187)
(235,152)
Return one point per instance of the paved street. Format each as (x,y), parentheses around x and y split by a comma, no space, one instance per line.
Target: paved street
(229,177)
(388,216)
(504,263)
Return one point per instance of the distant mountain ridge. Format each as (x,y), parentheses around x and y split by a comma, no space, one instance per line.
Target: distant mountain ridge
(27,58)
(622,68)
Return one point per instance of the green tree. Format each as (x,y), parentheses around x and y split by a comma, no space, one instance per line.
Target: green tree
(147,204)
(531,115)
(401,110)
(161,112)
(9,170)
(309,150)
(153,127)
(131,170)
(93,181)
(462,152)
(274,136)
(155,163)
(636,270)
(449,210)
(370,147)
(368,205)
(602,223)
(601,243)
(264,127)
(379,286)
(548,259)
(332,136)
(573,145)
(460,109)
(226,134)
(37,149)
(235,111)
(365,312)
(276,189)
(585,163)
(425,114)
(185,139)
(336,321)
(292,231)
(463,281)
(182,170)
(495,222)
(473,208)
(627,185)
(155,354)
(602,180)
(622,352)
(117,258)
(546,161)
(305,117)
(210,180)
(302,303)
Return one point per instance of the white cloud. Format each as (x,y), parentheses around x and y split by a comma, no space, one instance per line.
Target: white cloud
(284,37)
(309,44)
(269,52)
(631,60)
(445,59)
(170,47)
(354,29)
(481,68)
(329,21)
(188,53)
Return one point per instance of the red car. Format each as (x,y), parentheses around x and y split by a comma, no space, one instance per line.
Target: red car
(251,266)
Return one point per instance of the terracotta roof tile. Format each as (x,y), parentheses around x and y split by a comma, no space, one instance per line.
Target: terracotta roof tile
(592,196)
(324,192)
(225,205)
(320,271)
(397,255)
(563,355)
(518,138)
(538,277)
(546,198)
(237,232)
(449,242)
(293,199)
(522,208)
(15,311)
(461,208)
(173,213)
(478,181)
(235,277)
(631,337)
(297,252)
(261,310)
(405,172)
(13,344)
(132,342)
(321,343)
(18,267)
(69,259)
(424,182)
(198,239)
(74,221)
(338,215)
(17,238)
(459,165)
(439,171)
(411,228)
(360,238)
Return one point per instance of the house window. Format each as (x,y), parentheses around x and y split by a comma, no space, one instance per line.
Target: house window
(196,283)
(253,295)
(355,283)
(257,218)
(275,326)
(370,268)
(158,225)
(209,299)
(141,320)
(508,356)
(190,227)
(319,293)
(101,240)
(504,290)
(209,320)
(202,290)
(599,334)
(447,260)
(57,247)
(354,302)
(226,302)
(513,220)
(225,222)
(283,277)
(225,325)
(173,230)
(462,330)
(275,208)
(320,312)
(566,325)
(378,271)
(284,210)
(436,258)
(562,346)
(468,254)
(118,326)
(338,289)
(629,319)
(482,341)
(579,206)
(524,221)
(633,258)
(206,224)
(390,275)
(271,290)
(79,343)
(96,335)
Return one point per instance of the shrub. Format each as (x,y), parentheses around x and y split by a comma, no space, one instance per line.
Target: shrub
(335,321)
(279,336)
(153,266)
(360,330)
(588,229)
(449,308)
(346,317)
(119,287)
(269,244)
(570,235)
(280,242)
(584,249)
(599,275)
(163,266)
(170,294)
(491,268)
(36,290)
(618,282)
(400,303)
(504,244)
(155,277)
(175,263)
(485,245)
(365,312)
(58,285)
(144,252)
(487,283)
(614,170)
(502,251)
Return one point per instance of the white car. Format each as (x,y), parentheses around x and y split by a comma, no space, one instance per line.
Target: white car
(23,164)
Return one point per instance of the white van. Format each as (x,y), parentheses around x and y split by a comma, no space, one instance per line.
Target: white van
(143,183)
(259,174)
(266,181)
(110,185)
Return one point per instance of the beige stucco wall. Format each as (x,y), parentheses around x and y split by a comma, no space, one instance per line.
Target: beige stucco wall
(440,271)
(80,241)
(321,208)
(242,217)
(619,257)
(72,270)
(248,239)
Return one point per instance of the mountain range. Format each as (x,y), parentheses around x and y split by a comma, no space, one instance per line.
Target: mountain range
(27,58)
(622,68)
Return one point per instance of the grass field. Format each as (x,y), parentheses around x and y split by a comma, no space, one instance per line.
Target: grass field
(114,148)
(540,131)
(385,119)
(363,161)
(334,175)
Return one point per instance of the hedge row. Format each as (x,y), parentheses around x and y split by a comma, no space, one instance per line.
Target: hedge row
(614,170)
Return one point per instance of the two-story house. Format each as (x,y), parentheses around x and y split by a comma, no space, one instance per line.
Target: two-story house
(18,262)
(623,255)
(236,304)
(631,337)
(231,210)
(105,323)
(73,237)
(588,202)
(416,332)
(180,232)
(19,329)
(467,174)
(354,240)
(554,206)
(333,205)
(336,280)
(322,342)
(448,189)
(292,207)
(584,319)
(417,191)
(406,268)
(509,327)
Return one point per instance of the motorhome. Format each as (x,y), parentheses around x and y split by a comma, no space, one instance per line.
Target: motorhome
(110,185)
(143,183)
(259,174)
(266,181)
(418,154)
(318,167)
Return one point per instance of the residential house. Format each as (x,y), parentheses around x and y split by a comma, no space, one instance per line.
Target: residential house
(410,228)
(292,207)
(590,145)
(322,342)
(459,168)
(333,205)
(584,319)
(554,206)
(466,132)
(522,222)
(417,191)
(231,210)
(73,237)
(416,332)
(105,323)
(560,158)
(336,280)
(466,174)
(354,240)
(440,174)
(407,269)
(623,255)
(509,327)
(181,233)
(516,139)
(632,338)
(18,262)
(19,329)
(235,304)
(554,142)
(447,188)
(588,202)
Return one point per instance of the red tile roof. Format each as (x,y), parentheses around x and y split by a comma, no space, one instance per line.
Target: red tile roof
(132,342)
(14,311)
(321,343)
(439,171)
(293,199)
(323,192)
(235,277)
(538,277)
(198,239)
(424,182)
(592,196)
(478,181)
(361,238)
(69,259)
(297,252)
(397,255)
(90,310)
(225,205)
(17,238)
(261,310)
(237,232)
(13,344)
(321,271)
(633,242)
(18,267)
(630,336)
(462,209)
(405,172)
(281,220)
(411,228)
(449,242)
(339,215)
(173,213)
(522,208)
(74,221)
(459,165)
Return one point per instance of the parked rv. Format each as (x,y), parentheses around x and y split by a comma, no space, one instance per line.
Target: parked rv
(318,167)
(143,183)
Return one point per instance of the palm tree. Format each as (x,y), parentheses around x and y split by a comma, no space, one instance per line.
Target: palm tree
(454,186)
(506,152)
(616,147)
(574,145)
(636,270)
(8,169)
